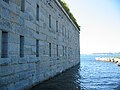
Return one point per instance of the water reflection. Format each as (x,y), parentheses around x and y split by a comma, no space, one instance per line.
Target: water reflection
(69,80)
(90,75)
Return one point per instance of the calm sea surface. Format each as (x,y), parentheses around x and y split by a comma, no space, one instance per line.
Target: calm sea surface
(96,75)
(90,75)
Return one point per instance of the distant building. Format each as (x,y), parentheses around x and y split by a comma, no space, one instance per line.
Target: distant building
(37,41)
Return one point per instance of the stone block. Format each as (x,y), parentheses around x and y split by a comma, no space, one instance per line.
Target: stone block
(27,50)
(30,25)
(20,68)
(5,13)
(4,61)
(21,84)
(23,75)
(31,4)
(40,77)
(23,67)
(22,60)
(10,87)
(14,17)
(3,82)
(31,66)
(30,41)
(13,49)
(3,88)
(0,12)
(9,79)
(5,25)
(0,42)
(33,48)
(6,70)
(17,2)
(14,38)
(14,60)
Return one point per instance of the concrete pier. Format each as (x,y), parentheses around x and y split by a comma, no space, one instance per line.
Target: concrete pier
(108,59)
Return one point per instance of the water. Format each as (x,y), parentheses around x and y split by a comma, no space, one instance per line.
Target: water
(90,75)
(96,75)
(69,80)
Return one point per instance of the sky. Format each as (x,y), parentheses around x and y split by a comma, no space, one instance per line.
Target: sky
(100,24)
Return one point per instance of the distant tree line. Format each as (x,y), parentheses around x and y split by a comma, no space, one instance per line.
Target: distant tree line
(65,6)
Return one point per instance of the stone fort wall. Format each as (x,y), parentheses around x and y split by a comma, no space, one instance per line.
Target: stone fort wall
(37,41)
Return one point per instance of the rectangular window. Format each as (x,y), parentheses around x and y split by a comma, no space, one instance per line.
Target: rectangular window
(22,5)
(7,1)
(50,49)
(62,29)
(37,48)
(37,12)
(21,46)
(56,26)
(63,50)
(65,32)
(4,52)
(50,21)
(57,50)
(68,34)
(66,51)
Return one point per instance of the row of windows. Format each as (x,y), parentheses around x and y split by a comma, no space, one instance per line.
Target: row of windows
(22,4)
(37,15)
(4,44)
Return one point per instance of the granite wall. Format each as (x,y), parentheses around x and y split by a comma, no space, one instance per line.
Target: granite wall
(38,40)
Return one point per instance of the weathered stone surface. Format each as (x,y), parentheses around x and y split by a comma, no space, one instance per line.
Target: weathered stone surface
(21,84)
(10,87)
(0,42)
(5,13)
(18,2)
(5,25)
(0,12)
(18,73)
(6,70)
(5,61)
(3,88)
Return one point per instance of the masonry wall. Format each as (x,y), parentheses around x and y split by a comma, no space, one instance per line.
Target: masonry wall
(35,48)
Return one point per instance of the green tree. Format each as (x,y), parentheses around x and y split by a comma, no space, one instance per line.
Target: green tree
(65,6)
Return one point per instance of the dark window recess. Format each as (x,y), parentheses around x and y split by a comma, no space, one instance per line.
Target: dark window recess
(37,12)
(66,51)
(63,50)
(56,26)
(22,5)
(50,21)
(21,46)
(57,50)
(7,1)
(65,32)
(50,49)
(62,29)
(37,48)
(4,51)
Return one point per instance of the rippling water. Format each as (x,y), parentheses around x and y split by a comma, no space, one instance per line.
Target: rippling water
(96,75)
(90,75)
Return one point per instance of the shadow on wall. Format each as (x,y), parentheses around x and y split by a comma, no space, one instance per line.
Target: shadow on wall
(67,80)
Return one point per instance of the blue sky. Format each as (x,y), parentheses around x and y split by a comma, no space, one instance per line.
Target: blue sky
(100,24)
